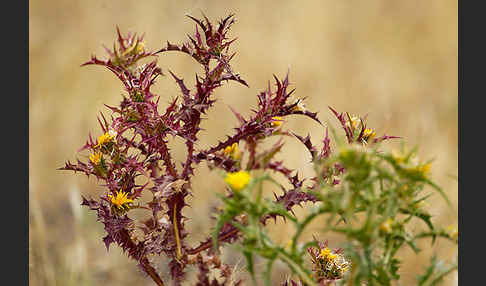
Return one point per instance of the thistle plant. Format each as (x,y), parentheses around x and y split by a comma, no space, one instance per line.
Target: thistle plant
(367,195)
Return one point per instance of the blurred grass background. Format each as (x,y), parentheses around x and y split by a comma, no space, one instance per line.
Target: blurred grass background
(395,60)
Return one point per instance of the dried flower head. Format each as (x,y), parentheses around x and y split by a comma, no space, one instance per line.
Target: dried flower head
(238,180)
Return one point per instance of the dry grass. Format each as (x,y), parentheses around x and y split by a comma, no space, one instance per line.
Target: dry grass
(396,60)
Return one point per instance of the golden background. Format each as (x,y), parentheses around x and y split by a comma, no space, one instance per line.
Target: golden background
(395,60)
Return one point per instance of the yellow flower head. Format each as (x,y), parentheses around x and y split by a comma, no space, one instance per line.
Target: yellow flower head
(453,232)
(324,252)
(423,204)
(424,169)
(332,257)
(233,151)
(238,180)
(120,201)
(277,121)
(368,134)
(140,47)
(105,138)
(421,170)
(95,157)
(289,244)
(398,156)
(386,226)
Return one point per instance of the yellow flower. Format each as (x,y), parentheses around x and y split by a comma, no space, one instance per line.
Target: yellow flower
(121,200)
(423,204)
(324,252)
(424,169)
(421,170)
(452,231)
(277,121)
(332,257)
(140,47)
(95,158)
(238,180)
(233,151)
(105,138)
(368,134)
(386,226)
(289,244)
(398,156)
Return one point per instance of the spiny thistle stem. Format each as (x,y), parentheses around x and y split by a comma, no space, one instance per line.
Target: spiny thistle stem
(187,166)
(167,159)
